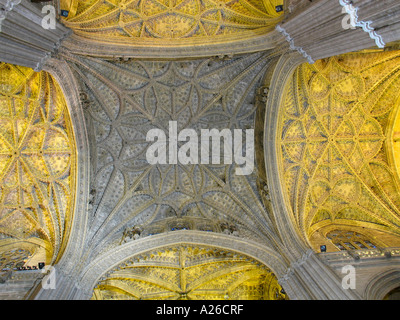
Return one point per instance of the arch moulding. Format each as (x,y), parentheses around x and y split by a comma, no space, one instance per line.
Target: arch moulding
(60,70)
(108,260)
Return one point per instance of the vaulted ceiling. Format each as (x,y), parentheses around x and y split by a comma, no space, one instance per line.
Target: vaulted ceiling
(159,20)
(339,144)
(189,273)
(37,164)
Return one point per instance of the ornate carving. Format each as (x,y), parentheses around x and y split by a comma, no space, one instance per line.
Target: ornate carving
(176,224)
(131,234)
(154,19)
(365,25)
(262,94)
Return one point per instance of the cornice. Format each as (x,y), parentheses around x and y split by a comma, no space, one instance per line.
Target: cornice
(92,273)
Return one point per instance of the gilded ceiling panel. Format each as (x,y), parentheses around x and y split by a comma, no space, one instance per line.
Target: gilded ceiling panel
(37,162)
(189,273)
(338,142)
(163,20)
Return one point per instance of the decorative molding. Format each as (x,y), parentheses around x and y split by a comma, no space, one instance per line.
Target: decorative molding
(295,265)
(347,256)
(290,40)
(277,81)
(174,49)
(382,283)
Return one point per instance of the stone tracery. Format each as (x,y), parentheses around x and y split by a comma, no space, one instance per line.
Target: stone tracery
(167,19)
(352,160)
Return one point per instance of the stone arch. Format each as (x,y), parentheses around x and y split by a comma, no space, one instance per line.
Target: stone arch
(109,260)
(249,27)
(38,164)
(275,80)
(316,137)
(59,69)
(382,284)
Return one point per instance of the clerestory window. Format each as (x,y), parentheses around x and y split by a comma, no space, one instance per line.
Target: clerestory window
(350,240)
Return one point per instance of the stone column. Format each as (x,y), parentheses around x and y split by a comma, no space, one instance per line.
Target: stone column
(382,17)
(310,279)
(23,39)
(325,28)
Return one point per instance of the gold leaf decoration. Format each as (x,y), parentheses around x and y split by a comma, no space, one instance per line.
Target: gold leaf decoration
(37,161)
(338,142)
(169,19)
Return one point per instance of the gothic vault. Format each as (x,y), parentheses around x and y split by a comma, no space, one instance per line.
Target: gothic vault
(80,204)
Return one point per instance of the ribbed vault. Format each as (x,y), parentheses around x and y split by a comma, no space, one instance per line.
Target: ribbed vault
(337,129)
(130,197)
(161,20)
(37,166)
